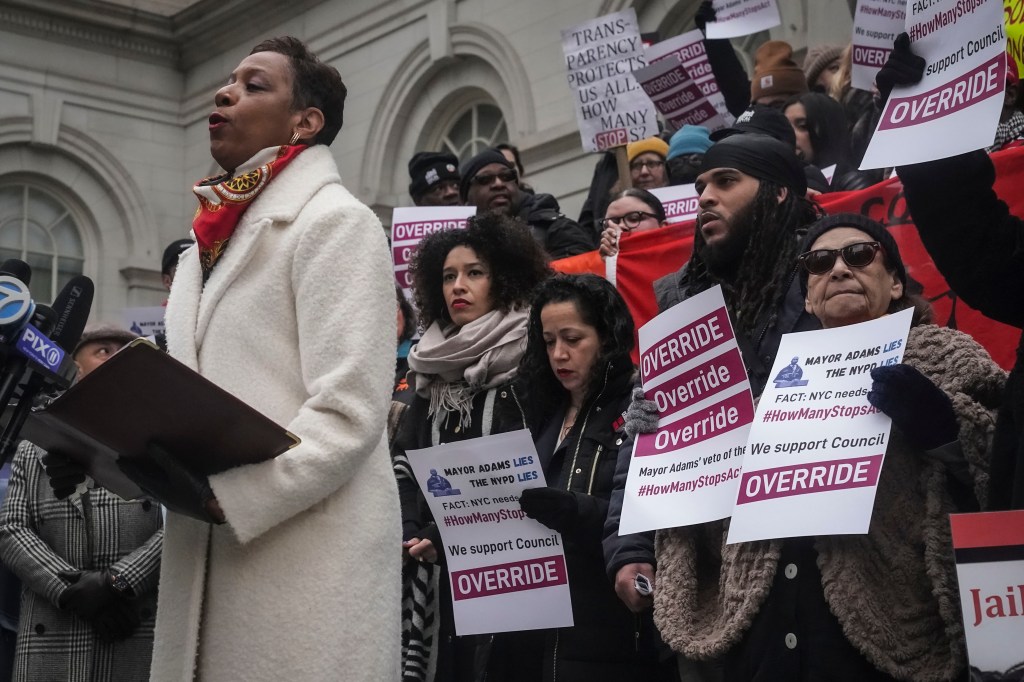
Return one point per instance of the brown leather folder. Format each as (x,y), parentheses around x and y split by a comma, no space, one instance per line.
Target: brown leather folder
(142,395)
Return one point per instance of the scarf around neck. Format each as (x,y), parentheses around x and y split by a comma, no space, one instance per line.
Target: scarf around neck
(452,364)
(223,199)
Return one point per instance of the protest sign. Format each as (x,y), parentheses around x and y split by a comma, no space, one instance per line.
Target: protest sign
(816,446)
(411,224)
(955,108)
(1013,12)
(677,96)
(601,55)
(146,321)
(681,202)
(689,49)
(876,23)
(734,18)
(989,551)
(688,470)
(507,572)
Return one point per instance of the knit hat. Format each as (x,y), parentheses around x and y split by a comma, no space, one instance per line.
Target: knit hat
(470,168)
(874,229)
(651,144)
(817,60)
(104,332)
(759,156)
(171,253)
(763,119)
(775,72)
(429,168)
(689,140)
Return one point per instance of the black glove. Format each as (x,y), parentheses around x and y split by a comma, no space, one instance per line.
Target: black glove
(91,593)
(118,621)
(168,480)
(556,509)
(902,68)
(918,408)
(705,13)
(64,474)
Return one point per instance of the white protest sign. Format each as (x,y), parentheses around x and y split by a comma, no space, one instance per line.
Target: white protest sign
(689,49)
(147,321)
(955,108)
(681,202)
(829,172)
(734,18)
(411,224)
(688,471)
(816,446)
(989,550)
(876,23)
(507,572)
(601,55)
(677,96)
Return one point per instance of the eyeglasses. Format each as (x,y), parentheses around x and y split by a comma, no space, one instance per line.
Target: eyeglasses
(629,221)
(487,179)
(821,261)
(651,165)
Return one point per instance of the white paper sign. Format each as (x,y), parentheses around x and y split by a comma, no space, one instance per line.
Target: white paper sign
(990,570)
(876,24)
(601,55)
(955,108)
(677,96)
(687,471)
(681,202)
(734,18)
(816,446)
(507,572)
(411,224)
(689,49)
(147,321)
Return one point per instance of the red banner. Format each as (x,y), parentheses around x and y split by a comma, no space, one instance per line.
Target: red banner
(646,256)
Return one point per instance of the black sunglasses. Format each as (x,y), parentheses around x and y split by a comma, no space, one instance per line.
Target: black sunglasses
(821,261)
(629,221)
(487,179)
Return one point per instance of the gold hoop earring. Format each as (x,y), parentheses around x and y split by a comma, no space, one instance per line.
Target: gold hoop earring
(295,137)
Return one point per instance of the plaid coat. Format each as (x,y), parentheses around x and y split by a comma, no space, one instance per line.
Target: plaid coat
(43,540)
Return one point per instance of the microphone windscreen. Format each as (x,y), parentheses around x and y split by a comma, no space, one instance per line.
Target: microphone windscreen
(44,318)
(72,306)
(18,269)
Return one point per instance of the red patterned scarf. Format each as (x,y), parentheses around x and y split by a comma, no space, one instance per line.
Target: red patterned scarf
(223,199)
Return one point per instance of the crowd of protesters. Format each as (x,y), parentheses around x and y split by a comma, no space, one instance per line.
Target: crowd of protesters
(299,571)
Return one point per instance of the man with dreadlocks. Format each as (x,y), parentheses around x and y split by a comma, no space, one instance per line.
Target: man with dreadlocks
(753,214)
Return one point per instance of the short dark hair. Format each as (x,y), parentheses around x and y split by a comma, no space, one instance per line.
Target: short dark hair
(315,84)
(601,307)
(653,202)
(516,260)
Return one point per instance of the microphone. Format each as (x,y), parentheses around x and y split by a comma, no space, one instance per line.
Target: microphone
(16,305)
(72,304)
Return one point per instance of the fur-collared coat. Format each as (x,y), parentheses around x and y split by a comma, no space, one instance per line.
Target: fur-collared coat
(297,319)
(893,590)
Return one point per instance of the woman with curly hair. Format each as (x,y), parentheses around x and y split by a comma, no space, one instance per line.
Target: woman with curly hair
(472,288)
(576,376)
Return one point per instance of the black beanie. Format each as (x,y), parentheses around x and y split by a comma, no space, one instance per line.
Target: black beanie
(171,253)
(472,167)
(860,222)
(760,156)
(760,118)
(429,168)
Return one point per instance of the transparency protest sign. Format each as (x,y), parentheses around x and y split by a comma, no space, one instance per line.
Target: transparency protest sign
(876,23)
(507,572)
(681,202)
(687,471)
(601,55)
(409,225)
(816,446)
(689,49)
(677,96)
(989,551)
(736,18)
(955,108)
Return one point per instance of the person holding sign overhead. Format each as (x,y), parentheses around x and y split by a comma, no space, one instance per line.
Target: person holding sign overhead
(472,288)
(576,377)
(879,606)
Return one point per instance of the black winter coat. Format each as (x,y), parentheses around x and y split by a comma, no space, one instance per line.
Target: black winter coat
(978,247)
(559,235)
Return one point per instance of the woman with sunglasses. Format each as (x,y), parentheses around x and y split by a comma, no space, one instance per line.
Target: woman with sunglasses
(632,210)
(879,606)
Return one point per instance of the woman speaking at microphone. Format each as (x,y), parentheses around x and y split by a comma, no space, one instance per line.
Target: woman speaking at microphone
(287,302)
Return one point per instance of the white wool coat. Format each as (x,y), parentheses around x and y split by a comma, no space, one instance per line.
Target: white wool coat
(297,319)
